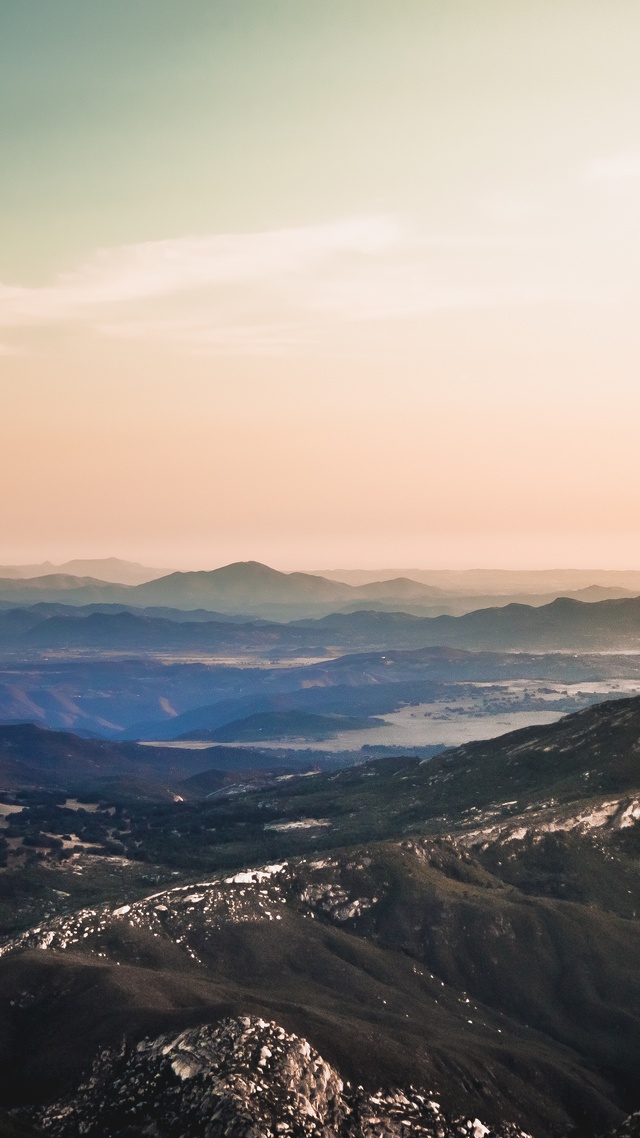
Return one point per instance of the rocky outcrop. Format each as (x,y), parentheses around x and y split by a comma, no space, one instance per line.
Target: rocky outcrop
(606,816)
(630,1127)
(244,1078)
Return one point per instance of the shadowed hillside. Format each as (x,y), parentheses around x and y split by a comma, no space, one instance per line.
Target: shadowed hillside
(467,925)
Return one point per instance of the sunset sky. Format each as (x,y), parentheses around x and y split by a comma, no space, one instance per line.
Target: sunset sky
(320,282)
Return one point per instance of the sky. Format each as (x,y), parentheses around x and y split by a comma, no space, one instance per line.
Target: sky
(320,283)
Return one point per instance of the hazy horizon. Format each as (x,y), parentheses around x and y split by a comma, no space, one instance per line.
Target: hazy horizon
(380,571)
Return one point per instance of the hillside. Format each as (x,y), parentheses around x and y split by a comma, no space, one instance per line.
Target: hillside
(31,756)
(385,960)
(288,725)
(466,926)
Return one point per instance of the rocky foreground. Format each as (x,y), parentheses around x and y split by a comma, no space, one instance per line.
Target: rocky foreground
(244,1078)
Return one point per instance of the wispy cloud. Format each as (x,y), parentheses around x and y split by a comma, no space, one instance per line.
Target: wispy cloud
(157,269)
(275,290)
(228,292)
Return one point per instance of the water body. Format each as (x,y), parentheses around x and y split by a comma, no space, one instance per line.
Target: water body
(457,721)
(422,726)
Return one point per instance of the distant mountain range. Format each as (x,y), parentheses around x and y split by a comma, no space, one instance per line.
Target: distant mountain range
(252,589)
(60,586)
(248,586)
(493,582)
(244,587)
(563,625)
(441,582)
(112,569)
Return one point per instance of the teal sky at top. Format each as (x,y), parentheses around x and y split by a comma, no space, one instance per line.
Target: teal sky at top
(133,120)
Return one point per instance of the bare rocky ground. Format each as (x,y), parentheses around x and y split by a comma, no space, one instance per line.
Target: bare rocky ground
(245,1078)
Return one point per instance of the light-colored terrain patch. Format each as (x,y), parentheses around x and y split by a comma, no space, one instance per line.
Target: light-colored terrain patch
(420,726)
(495,710)
(302,824)
(185,913)
(7,808)
(609,815)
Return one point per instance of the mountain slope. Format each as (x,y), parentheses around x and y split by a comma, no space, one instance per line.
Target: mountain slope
(485,951)
(33,756)
(250,1077)
(239,584)
(391,960)
(289,725)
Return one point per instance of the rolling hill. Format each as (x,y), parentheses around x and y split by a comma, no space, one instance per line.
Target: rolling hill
(60,760)
(565,625)
(289,725)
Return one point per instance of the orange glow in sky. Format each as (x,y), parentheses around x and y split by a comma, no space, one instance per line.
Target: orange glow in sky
(322,284)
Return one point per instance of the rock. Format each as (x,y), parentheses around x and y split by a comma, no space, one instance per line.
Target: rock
(243,1078)
(630,1127)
